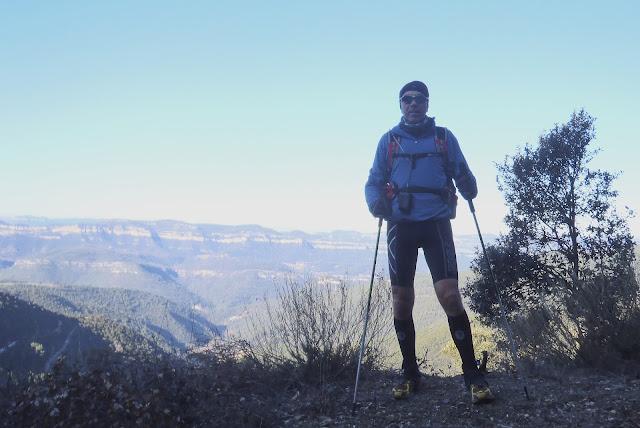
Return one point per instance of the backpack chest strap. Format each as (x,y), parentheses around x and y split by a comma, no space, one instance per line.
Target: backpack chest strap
(415,156)
(421,189)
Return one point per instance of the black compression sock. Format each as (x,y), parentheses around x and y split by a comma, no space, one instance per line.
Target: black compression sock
(461,334)
(406,333)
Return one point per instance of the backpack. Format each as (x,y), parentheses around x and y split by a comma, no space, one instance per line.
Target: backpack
(448,193)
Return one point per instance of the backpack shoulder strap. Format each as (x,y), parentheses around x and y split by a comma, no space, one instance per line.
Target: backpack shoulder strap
(393,146)
(441,141)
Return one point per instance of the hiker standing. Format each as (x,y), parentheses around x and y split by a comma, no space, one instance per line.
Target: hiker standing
(411,185)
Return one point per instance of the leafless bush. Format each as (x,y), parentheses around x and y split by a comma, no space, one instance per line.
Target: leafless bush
(315,328)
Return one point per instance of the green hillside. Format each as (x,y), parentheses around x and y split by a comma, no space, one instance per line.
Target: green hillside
(171,325)
(32,338)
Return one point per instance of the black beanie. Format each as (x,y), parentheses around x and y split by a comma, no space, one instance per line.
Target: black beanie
(415,86)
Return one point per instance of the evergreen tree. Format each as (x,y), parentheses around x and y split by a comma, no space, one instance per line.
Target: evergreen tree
(563,230)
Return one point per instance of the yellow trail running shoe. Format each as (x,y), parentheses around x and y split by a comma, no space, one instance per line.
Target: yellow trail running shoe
(405,388)
(480,393)
(477,384)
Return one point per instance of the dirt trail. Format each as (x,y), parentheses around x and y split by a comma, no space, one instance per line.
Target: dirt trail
(53,358)
(9,346)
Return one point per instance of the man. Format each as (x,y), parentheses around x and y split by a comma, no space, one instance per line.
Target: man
(411,186)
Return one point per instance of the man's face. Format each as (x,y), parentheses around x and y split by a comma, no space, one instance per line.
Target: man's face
(414,106)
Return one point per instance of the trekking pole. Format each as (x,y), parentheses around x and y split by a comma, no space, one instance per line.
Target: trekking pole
(366,320)
(507,327)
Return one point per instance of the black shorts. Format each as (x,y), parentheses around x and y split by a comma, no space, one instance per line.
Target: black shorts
(435,239)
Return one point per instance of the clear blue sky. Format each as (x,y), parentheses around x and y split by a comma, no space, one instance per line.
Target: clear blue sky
(269,112)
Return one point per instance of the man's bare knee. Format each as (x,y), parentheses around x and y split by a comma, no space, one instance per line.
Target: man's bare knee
(449,296)
(403,298)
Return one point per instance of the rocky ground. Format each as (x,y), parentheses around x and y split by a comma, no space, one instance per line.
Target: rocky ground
(242,395)
(571,399)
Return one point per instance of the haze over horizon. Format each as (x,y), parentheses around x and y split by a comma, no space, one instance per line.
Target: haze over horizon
(269,114)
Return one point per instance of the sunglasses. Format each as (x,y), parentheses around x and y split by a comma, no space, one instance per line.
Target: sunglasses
(408,99)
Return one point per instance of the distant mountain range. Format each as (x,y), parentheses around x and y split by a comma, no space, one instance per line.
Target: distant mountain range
(214,268)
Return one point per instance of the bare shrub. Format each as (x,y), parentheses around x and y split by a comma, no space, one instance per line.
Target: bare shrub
(315,328)
(222,352)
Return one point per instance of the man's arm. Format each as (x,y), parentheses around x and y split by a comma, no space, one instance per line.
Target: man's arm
(464,179)
(374,188)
